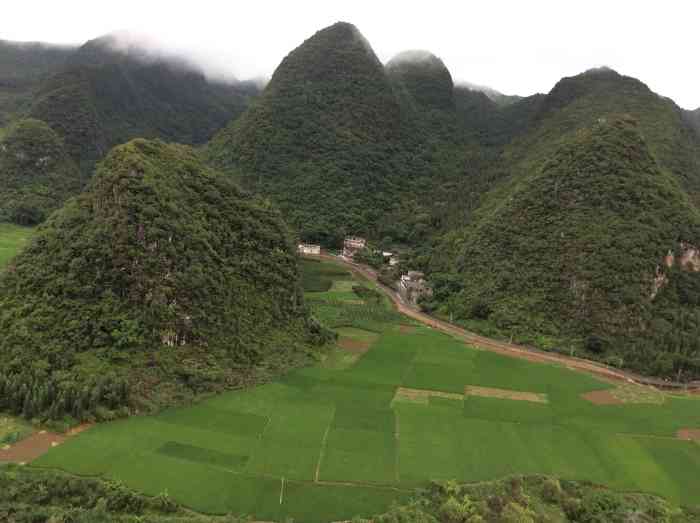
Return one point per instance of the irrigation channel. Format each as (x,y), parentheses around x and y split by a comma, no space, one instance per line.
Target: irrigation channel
(506,348)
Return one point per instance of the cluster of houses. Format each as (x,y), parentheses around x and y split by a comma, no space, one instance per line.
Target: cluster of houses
(411,286)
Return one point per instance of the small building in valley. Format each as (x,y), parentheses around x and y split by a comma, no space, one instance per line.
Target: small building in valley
(352,244)
(309,248)
(413,285)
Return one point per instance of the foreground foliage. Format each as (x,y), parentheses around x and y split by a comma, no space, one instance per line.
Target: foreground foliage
(36,496)
(162,274)
(533,499)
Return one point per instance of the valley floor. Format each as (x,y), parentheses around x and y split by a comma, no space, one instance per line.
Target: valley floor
(393,405)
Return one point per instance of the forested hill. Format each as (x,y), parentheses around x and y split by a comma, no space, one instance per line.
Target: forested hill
(36,173)
(570,251)
(578,101)
(161,279)
(107,95)
(326,139)
(23,66)
(424,77)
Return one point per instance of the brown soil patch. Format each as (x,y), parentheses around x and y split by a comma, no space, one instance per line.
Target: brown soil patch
(407,329)
(422,397)
(37,444)
(487,392)
(31,447)
(689,434)
(602,397)
(354,346)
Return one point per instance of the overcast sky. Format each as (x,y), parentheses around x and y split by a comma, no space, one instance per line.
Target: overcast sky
(516,46)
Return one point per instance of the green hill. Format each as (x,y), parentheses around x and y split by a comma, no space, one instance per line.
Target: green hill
(424,77)
(325,140)
(573,249)
(23,66)
(161,280)
(107,95)
(578,101)
(36,174)
(693,118)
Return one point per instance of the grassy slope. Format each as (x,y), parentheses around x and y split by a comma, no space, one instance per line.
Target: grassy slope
(13,238)
(231,452)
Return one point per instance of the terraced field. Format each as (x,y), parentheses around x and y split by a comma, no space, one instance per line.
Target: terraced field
(395,404)
(12,239)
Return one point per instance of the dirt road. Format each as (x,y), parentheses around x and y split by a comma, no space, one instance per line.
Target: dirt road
(509,349)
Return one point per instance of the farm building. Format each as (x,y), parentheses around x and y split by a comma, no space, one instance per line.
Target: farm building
(413,285)
(352,244)
(309,248)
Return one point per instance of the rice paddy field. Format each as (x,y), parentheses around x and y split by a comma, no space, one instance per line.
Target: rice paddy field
(12,239)
(394,405)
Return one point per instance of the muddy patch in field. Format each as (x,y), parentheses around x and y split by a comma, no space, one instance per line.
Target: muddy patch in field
(37,444)
(422,397)
(602,397)
(354,346)
(689,434)
(406,329)
(504,394)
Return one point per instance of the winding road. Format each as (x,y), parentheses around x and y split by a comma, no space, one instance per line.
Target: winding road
(501,347)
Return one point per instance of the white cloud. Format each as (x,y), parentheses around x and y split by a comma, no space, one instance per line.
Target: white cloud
(515,46)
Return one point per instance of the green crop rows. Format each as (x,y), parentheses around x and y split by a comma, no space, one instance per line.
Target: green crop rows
(324,444)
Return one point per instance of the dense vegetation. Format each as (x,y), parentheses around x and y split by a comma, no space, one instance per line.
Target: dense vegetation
(572,250)
(37,496)
(36,173)
(326,140)
(107,95)
(162,274)
(533,499)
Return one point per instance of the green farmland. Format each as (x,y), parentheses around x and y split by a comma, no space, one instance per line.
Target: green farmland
(383,413)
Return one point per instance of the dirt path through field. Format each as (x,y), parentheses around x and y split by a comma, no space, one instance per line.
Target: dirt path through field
(35,445)
(508,349)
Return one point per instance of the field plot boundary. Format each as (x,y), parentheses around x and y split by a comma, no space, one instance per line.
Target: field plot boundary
(504,394)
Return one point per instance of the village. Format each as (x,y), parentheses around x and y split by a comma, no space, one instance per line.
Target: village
(411,285)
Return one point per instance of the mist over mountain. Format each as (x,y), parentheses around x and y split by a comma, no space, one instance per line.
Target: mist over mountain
(325,139)
(110,92)
(23,66)
(495,95)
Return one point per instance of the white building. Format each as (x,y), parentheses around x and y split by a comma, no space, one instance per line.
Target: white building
(309,248)
(352,244)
